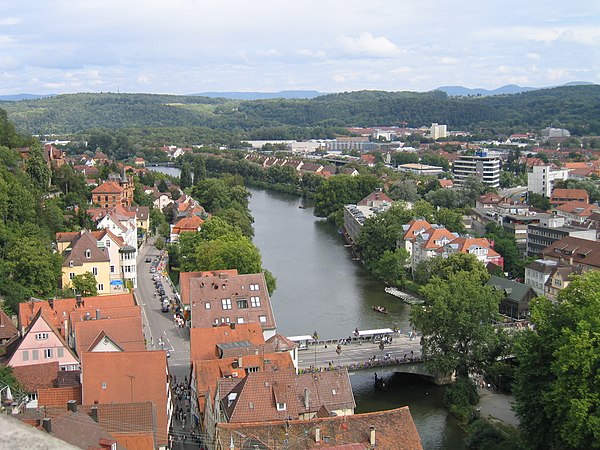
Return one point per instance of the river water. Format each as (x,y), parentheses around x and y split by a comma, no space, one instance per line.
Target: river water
(321,288)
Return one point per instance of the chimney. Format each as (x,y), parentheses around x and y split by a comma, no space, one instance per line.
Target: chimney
(372,437)
(317,435)
(94,413)
(97,314)
(232,325)
(240,361)
(306,399)
(72,406)
(78,300)
(51,303)
(47,424)
(87,315)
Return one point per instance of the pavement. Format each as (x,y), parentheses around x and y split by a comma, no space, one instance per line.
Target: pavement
(161,332)
(495,406)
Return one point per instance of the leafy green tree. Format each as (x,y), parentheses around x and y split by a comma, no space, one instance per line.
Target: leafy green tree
(450,218)
(539,201)
(85,284)
(391,267)
(404,190)
(557,387)
(446,198)
(199,169)
(37,168)
(162,186)
(212,194)
(457,323)
(8,378)
(311,181)
(283,175)
(472,188)
(506,245)
(340,190)
(444,267)
(185,177)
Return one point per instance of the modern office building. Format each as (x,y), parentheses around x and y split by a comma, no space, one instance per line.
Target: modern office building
(481,166)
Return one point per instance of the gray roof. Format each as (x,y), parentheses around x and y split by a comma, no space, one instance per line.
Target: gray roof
(514,291)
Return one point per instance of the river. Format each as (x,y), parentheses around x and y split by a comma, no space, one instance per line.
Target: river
(321,288)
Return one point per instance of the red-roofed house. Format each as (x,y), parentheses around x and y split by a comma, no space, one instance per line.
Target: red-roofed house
(121,377)
(109,334)
(575,212)
(108,195)
(561,196)
(191,224)
(204,342)
(481,248)
(8,331)
(427,243)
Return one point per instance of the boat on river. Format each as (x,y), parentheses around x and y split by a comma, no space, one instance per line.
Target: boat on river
(405,297)
(380,309)
(301,206)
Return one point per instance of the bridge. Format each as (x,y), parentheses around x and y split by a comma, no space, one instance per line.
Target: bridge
(369,349)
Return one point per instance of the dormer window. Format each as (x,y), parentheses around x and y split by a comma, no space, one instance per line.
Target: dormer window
(88,253)
(281,406)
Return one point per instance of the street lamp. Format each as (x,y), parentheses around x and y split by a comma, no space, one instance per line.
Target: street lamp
(315,336)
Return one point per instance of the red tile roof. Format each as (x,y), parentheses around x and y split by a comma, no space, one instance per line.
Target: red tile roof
(189,224)
(375,196)
(80,430)
(414,227)
(394,430)
(58,396)
(203,341)
(108,187)
(7,327)
(128,376)
(126,332)
(35,376)
(576,208)
(61,308)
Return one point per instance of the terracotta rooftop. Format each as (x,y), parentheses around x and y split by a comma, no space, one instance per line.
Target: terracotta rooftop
(414,227)
(58,396)
(258,396)
(375,196)
(204,341)
(394,430)
(465,244)
(224,297)
(7,327)
(108,187)
(126,332)
(565,195)
(577,208)
(574,251)
(432,236)
(190,224)
(60,308)
(35,376)
(119,377)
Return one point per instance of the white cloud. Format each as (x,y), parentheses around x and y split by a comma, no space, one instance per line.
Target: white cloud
(446,60)
(557,74)
(368,45)
(306,53)
(269,53)
(533,56)
(7,21)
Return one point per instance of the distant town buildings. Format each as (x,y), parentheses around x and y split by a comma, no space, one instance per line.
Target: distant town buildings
(550,132)
(438,131)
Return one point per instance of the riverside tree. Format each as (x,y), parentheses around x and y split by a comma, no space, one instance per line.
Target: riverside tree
(557,386)
(457,323)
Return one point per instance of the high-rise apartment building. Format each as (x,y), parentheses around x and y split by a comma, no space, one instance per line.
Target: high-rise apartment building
(481,166)
(438,131)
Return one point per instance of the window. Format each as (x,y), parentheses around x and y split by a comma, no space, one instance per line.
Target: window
(255,302)
(240,320)
(95,271)
(88,253)
(252,370)
(41,336)
(34,355)
(254,287)
(226,303)
(112,269)
(104,385)
(71,264)
(25,355)
(100,287)
(47,353)
(60,352)
(207,305)
(242,303)
(107,243)
(280,406)
(71,275)
(262,319)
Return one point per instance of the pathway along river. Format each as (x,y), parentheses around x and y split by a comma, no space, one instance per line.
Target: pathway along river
(321,288)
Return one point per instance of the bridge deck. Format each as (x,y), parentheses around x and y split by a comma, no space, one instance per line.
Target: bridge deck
(360,353)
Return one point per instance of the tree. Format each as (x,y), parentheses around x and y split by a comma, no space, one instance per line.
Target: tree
(506,244)
(199,169)
(185,177)
(404,190)
(539,201)
(391,266)
(37,168)
(450,218)
(85,284)
(340,190)
(162,186)
(557,387)
(444,267)
(457,323)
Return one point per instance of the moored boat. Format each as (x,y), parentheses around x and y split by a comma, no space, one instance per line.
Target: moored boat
(380,309)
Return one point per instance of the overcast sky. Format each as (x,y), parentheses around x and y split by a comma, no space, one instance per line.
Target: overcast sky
(189,46)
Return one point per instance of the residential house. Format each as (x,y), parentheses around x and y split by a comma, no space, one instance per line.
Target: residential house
(109,334)
(205,342)
(191,224)
(355,215)
(391,429)
(142,215)
(140,162)
(162,199)
(537,274)
(83,255)
(575,212)
(411,230)
(446,184)
(228,297)
(561,196)
(576,252)
(108,195)
(481,248)
(119,377)
(42,343)
(490,200)
(515,303)
(58,310)
(54,156)
(559,279)
(349,171)
(8,332)
(427,243)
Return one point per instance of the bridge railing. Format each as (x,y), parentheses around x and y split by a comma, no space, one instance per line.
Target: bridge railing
(365,365)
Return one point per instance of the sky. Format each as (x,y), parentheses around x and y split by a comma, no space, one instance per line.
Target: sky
(191,46)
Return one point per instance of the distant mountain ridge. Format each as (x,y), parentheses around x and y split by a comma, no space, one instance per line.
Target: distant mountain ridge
(455,91)
(18,97)
(260,95)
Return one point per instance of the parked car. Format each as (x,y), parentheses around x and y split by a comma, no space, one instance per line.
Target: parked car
(165,307)
(148,259)
(152,269)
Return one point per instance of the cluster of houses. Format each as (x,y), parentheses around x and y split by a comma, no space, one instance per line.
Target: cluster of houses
(245,385)
(87,375)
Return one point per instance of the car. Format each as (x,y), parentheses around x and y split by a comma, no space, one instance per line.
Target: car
(152,269)
(168,354)
(165,308)
(148,259)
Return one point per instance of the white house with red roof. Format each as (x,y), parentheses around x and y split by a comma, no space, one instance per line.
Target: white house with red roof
(481,248)
(426,244)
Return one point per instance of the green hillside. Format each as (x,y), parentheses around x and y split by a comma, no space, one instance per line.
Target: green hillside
(574,107)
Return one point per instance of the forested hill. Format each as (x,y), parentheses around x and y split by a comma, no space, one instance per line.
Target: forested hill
(574,107)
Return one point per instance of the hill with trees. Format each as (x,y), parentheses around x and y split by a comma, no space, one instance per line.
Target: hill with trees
(576,108)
